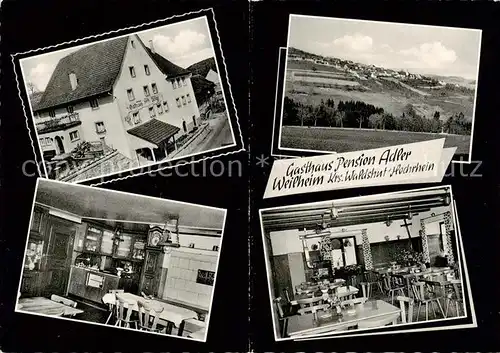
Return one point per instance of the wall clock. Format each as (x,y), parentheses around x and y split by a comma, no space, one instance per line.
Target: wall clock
(155,236)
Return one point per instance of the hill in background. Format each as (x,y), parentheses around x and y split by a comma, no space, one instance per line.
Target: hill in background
(203,67)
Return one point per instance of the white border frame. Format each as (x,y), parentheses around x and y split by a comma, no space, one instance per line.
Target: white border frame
(340,334)
(149,165)
(381,22)
(16,310)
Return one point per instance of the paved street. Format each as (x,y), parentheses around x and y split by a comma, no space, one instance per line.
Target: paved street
(218,137)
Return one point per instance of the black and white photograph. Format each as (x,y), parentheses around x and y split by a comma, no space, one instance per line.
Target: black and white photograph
(371,262)
(354,84)
(121,260)
(117,104)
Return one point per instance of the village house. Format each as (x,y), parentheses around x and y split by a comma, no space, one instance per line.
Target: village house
(121,95)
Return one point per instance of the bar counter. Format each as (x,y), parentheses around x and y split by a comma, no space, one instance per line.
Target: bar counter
(91,284)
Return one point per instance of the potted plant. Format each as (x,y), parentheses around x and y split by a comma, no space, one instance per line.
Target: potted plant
(352,274)
(407,257)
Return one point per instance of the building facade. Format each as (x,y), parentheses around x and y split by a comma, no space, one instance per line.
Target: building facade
(121,94)
(213,76)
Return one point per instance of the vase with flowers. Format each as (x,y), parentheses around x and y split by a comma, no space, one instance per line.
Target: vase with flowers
(335,304)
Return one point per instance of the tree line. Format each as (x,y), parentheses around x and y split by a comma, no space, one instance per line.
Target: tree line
(357,114)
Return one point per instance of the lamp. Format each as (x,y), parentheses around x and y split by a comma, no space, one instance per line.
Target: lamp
(388,222)
(410,215)
(334,213)
(306,251)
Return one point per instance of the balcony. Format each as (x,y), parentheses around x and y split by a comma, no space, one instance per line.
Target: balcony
(56,124)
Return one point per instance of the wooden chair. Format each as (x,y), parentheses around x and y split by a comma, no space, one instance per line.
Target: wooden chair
(286,295)
(304,303)
(62,300)
(454,296)
(111,306)
(406,317)
(392,286)
(313,309)
(309,290)
(148,317)
(282,316)
(426,294)
(124,313)
(371,279)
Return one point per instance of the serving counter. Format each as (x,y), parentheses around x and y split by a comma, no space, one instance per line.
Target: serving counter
(91,284)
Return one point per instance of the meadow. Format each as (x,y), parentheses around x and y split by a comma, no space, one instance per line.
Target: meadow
(349,139)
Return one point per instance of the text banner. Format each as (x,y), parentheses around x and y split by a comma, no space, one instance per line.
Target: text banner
(420,162)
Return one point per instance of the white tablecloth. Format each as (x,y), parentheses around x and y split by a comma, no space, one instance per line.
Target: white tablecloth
(170,312)
(346,291)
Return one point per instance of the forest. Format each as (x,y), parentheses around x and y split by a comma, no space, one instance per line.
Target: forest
(357,114)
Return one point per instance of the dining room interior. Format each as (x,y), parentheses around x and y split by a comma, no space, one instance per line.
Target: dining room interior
(363,263)
(122,260)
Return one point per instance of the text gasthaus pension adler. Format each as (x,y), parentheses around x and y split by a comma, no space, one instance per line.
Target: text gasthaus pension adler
(340,169)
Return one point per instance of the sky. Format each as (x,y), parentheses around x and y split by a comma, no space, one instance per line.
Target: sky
(184,43)
(421,49)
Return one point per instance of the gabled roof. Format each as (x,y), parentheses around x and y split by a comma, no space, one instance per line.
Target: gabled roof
(167,67)
(96,68)
(203,67)
(154,131)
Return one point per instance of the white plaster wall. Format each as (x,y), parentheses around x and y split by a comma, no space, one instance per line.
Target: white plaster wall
(200,242)
(64,135)
(107,112)
(286,242)
(138,57)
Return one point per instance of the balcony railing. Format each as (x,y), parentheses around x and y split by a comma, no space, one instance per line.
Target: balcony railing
(58,122)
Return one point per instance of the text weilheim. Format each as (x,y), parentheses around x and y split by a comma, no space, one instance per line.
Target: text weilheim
(340,169)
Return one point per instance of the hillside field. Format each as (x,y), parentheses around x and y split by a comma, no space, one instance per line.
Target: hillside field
(309,83)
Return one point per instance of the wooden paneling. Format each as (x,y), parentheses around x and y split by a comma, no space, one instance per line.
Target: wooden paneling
(33,283)
(78,284)
(435,245)
(57,236)
(38,219)
(59,255)
(297,270)
(151,274)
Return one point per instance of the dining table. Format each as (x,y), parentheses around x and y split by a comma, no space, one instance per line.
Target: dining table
(45,306)
(441,283)
(314,287)
(408,277)
(309,324)
(343,292)
(171,314)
